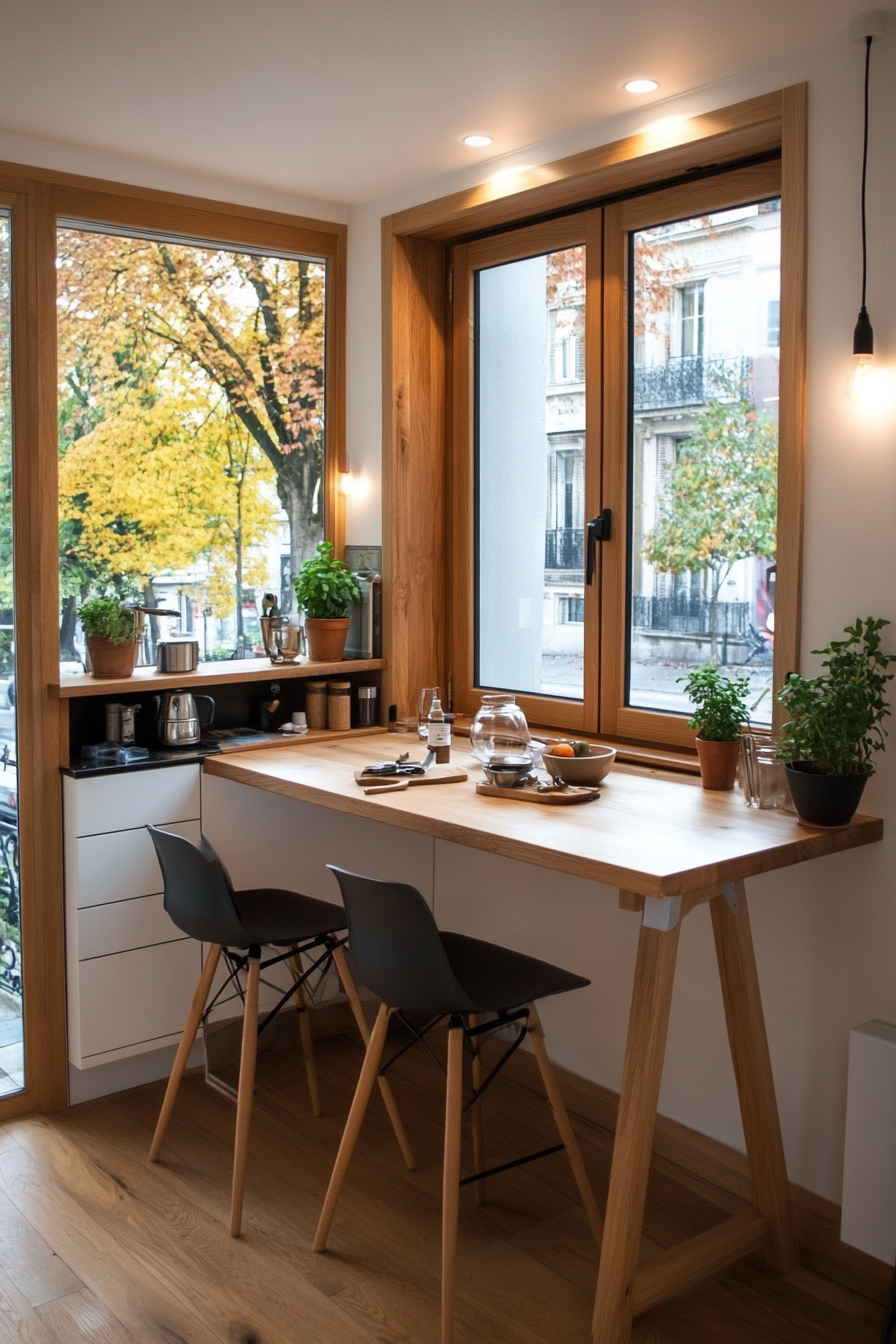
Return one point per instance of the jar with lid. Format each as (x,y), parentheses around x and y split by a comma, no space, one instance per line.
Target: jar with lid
(316,703)
(366,706)
(500,728)
(339,705)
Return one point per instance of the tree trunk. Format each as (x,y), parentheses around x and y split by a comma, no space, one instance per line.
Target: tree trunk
(295,487)
(67,627)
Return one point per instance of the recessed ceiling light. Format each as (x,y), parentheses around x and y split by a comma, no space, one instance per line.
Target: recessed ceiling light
(640,85)
(477,141)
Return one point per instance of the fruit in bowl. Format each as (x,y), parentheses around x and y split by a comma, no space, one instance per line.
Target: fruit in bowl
(587,766)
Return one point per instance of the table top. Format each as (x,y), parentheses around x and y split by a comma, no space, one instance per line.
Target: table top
(651,832)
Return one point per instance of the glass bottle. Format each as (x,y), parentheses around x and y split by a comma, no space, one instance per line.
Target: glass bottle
(499,728)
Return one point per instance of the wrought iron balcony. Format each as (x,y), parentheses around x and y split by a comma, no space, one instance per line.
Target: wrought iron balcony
(564,548)
(690,381)
(691,616)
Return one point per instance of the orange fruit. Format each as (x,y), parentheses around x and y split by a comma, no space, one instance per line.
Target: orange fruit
(563,749)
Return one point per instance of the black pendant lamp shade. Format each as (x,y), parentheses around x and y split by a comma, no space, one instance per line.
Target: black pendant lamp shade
(865,29)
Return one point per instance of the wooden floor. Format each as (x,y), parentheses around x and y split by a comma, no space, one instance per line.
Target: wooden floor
(98,1245)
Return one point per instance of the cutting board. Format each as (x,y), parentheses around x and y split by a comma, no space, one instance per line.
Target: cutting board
(436,774)
(553,798)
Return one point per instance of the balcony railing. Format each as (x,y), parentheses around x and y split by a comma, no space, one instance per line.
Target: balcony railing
(691,616)
(10,967)
(690,381)
(564,548)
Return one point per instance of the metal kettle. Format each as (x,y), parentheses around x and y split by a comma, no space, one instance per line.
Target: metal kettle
(178,722)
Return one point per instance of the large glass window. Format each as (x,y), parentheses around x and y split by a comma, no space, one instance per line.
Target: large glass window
(191,430)
(705,299)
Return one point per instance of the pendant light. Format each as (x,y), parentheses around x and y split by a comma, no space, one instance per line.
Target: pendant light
(865,29)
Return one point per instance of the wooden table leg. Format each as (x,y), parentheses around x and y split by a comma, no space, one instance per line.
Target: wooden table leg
(644,1051)
(753,1072)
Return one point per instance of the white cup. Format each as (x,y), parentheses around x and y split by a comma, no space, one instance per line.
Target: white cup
(299,721)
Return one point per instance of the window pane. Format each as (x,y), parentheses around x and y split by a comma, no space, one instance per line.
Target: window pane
(704,446)
(530,476)
(12,1065)
(191,432)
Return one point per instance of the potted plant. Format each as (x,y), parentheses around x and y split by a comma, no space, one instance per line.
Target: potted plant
(325,590)
(720,709)
(835,725)
(111,632)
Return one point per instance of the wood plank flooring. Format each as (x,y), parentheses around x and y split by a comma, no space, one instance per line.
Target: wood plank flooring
(97,1244)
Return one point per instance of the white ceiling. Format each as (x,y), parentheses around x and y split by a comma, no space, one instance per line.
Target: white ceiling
(349,100)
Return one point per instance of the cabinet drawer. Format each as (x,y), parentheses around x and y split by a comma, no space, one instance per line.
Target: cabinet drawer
(136,996)
(121,802)
(121,865)
(123,925)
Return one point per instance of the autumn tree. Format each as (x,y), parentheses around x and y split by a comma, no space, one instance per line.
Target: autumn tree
(720,505)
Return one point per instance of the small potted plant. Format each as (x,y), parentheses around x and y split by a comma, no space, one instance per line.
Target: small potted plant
(835,725)
(720,709)
(325,590)
(110,629)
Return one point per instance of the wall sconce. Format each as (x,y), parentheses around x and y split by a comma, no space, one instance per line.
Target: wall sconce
(865,29)
(346,483)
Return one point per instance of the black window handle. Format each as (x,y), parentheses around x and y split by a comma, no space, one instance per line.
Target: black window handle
(597,530)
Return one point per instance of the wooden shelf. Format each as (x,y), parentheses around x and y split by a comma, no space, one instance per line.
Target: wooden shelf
(209,674)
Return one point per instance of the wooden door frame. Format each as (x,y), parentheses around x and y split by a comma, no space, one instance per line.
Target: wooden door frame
(418,503)
(37,198)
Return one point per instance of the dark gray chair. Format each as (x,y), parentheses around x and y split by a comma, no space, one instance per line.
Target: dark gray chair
(201,900)
(400,955)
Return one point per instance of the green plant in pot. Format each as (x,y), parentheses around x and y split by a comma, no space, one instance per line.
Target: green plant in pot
(325,590)
(720,709)
(836,725)
(110,629)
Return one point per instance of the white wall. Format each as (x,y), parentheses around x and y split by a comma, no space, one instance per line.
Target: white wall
(826,931)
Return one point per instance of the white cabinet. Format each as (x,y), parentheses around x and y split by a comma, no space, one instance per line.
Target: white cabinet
(131,972)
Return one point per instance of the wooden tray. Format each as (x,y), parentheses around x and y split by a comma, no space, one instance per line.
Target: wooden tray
(436,774)
(554,798)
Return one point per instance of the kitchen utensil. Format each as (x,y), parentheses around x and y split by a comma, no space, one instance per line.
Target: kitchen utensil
(282,640)
(508,772)
(499,728)
(113,721)
(528,794)
(389,788)
(439,774)
(587,770)
(177,655)
(269,605)
(128,723)
(366,706)
(177,718)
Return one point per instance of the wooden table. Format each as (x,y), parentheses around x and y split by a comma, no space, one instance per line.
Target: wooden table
(668,846)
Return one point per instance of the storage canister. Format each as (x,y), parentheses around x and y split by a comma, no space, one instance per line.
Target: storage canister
(366,706)
(339,705)
(316,703)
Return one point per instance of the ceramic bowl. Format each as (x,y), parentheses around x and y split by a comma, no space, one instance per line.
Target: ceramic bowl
(585,770)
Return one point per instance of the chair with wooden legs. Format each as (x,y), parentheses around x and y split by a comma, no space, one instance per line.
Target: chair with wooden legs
(200,899)
(479,987)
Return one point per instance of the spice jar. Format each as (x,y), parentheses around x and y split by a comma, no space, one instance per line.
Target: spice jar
(339,705)
(316,703)
(366,706)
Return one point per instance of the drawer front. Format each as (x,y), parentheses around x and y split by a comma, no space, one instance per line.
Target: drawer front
(121,802)
(105,929)
(121,865)
(136,996)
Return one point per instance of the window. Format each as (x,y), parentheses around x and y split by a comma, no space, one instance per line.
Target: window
(192,429)
(773,322)
(673,426)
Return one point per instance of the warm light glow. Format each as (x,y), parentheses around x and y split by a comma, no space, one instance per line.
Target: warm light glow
(503,173)
(640,85)
(863,381)
(346,483)
(477,141)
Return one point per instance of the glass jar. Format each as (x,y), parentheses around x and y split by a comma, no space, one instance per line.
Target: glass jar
(499,728)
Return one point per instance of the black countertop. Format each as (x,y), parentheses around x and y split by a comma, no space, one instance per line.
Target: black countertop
(158,757)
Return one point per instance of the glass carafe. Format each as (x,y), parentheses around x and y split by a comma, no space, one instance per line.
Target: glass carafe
(499,728)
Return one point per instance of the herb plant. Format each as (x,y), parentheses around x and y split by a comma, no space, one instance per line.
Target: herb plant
(720,706)
(324,587)
(106,618)
(836,719)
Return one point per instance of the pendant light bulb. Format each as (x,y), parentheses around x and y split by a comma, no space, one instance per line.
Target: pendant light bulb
(862,383)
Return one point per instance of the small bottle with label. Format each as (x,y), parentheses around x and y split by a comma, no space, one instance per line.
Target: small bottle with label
(438,733)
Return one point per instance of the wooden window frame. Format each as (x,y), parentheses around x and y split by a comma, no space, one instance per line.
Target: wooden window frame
(422,591)
(37,198)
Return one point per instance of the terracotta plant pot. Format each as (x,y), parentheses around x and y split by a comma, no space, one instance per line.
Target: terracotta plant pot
(111,660)
(824,800)
(718,764)
(326,638)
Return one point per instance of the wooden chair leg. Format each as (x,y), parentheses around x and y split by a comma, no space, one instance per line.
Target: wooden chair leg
(564,1128)
(348,984)
(194,1017)
(454,1101)
(245,1094)
(642,1071)
(305,1030)
(353,1125)
(753,1073)
(476,1115)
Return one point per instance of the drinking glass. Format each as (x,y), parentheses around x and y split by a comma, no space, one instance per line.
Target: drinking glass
(424,705)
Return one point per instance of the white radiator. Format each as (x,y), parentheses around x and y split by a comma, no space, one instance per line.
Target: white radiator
(868,1218)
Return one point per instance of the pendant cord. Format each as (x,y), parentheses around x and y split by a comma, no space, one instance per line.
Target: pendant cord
(868,41)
